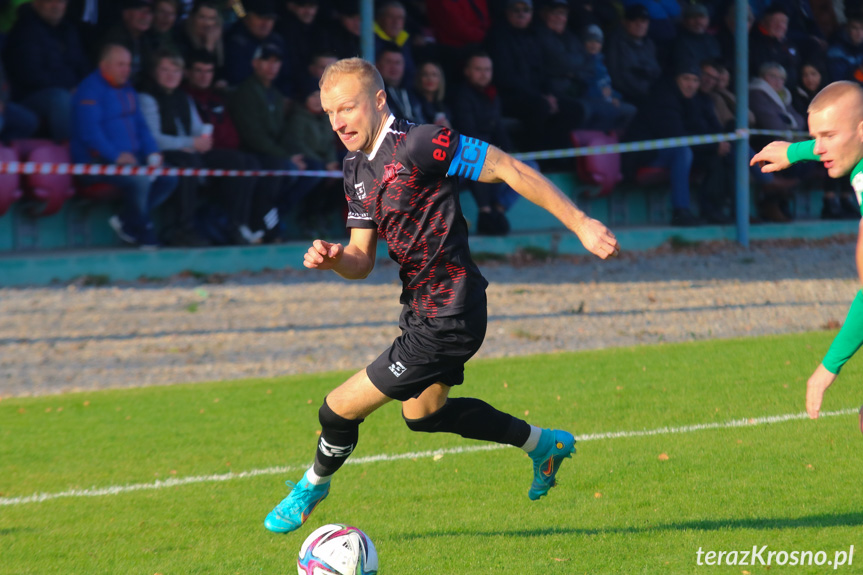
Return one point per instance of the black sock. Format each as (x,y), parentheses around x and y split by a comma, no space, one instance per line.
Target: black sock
(338,439)
(474,419)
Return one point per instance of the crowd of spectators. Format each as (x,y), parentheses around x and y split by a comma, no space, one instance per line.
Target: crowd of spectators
(233,84)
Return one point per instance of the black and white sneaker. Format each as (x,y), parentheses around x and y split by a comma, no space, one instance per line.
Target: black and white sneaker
(117,225)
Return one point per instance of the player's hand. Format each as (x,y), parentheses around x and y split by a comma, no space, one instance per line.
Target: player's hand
(323,255)
(815,388)
(598,239)
(773,157)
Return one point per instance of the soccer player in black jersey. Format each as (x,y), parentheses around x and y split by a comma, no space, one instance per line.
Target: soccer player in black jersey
(401,183)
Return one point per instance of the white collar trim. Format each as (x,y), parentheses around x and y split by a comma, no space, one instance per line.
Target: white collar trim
(381,137)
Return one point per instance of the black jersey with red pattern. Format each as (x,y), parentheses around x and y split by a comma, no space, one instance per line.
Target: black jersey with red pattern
(402,190)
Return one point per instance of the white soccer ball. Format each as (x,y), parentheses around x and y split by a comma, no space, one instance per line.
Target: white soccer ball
(337,549)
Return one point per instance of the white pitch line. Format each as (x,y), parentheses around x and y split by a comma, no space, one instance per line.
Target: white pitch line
(176,482)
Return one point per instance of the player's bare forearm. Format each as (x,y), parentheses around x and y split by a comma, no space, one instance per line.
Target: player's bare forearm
(355,264)
(354,261)
(501,167)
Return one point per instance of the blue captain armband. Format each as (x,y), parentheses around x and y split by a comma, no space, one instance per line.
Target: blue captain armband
(469,158)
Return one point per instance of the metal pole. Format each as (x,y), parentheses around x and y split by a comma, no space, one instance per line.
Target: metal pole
(367,35)
(741,147)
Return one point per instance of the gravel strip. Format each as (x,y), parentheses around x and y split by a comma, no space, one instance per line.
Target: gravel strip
(75,337)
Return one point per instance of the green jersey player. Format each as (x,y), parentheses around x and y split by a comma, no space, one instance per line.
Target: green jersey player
(836,122)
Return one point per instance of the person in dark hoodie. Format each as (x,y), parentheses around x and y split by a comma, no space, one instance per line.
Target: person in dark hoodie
(477,114)
(631,56)
(845,55)
(666,114)
(525,88)
(45,60)
(299,28)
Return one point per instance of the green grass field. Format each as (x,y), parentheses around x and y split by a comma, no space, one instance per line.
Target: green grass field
(635,503)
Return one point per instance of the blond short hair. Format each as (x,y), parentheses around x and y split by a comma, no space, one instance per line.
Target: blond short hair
(367,74)
(836,92)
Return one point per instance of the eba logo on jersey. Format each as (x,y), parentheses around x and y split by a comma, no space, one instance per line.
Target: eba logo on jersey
(442,140)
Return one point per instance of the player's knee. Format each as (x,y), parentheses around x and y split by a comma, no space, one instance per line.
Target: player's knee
(429,424)
(332,420)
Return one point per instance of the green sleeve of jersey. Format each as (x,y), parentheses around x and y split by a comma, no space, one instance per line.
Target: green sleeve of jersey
(848,340)
(802,151)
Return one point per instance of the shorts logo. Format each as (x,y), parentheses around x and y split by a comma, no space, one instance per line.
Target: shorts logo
(361,190)
(392,171)
(397,368)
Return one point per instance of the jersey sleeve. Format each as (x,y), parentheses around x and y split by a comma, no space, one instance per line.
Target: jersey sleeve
(358,216)
(802,151)
(437,150)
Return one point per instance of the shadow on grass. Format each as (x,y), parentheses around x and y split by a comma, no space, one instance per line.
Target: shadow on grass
(854,519)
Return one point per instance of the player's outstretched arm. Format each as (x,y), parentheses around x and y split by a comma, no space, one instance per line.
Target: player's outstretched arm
(354,262)
(501,167)
(815,388)
(773,157)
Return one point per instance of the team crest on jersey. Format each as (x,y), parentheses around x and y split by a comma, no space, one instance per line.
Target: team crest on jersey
(392,171)
(361,190)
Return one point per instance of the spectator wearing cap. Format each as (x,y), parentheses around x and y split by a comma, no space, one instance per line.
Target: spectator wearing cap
(389,28)
(608,110)
(663,15)
(693,43)
(845,55)
(203,30)
(768,42)
(132,32)
(45,60)
(244,38)
(299,27)
(259,111)
(669,112)
(109,128)
(631,56)
(402,98)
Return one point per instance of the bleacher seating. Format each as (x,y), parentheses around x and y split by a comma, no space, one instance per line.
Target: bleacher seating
(48,191)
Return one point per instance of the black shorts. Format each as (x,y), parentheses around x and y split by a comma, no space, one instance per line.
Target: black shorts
(428,351)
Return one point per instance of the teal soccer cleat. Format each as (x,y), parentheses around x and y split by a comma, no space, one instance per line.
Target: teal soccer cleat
(292,512)
(554,446)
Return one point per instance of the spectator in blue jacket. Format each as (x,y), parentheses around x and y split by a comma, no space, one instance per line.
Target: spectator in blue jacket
(109,128)
(845,55)
(608,110)
(45,60)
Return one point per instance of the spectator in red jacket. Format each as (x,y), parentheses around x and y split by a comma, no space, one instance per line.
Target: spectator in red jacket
(460,27)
